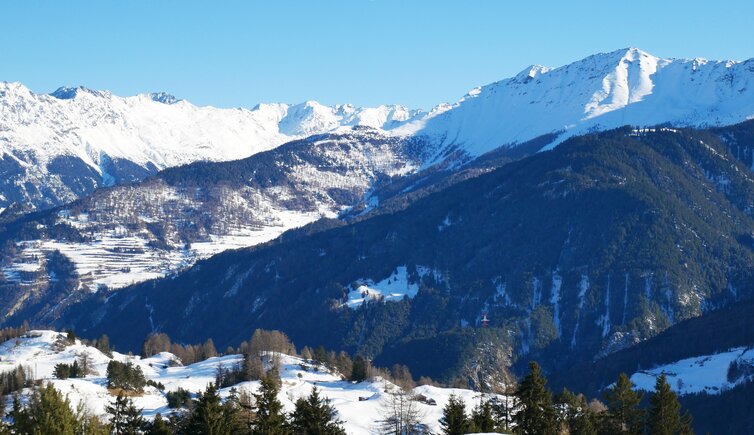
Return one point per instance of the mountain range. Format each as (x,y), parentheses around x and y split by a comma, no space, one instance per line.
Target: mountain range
(577,216)
(60,146)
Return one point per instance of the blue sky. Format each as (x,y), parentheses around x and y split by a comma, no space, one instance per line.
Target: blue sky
(366,52)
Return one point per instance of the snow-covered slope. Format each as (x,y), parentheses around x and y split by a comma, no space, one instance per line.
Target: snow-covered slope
(602,91)
(357,404)
(131,233)
(709,374)
(57,147)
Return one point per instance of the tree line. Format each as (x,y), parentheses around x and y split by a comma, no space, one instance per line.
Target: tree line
(534,410)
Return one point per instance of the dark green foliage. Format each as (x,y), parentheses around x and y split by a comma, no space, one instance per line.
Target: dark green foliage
(179,398)
(211,417)
(537,415)
(158,426)
(664,416)
(454,420)
(125,418)
(270,418)
(125,376)
(482,417)
(228,376)
(47,412)
(360,369)
(315,416)
(727,412)
(575,414)
(65,371)
(626,417)
(159,385)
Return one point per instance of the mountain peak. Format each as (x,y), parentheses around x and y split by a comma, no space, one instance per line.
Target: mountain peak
(69,93)
(530,73)
(163,97)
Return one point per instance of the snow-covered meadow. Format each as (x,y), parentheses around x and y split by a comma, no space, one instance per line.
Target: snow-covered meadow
(358,404)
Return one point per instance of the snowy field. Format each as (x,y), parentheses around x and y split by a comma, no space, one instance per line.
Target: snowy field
(358,404)
(708,373)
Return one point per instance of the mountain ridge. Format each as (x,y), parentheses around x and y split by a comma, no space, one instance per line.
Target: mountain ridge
(79,139)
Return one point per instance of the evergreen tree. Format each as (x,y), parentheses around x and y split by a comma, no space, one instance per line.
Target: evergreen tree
(62,371)
(270,417)
(625,417)
(158,426)
(359,371)
(504,411)
(125,418)
(210,417)
(537,415)
(482,417)
(315,416)
(46,413)
(454,420)
(91,425)
(664,410)
(575,414)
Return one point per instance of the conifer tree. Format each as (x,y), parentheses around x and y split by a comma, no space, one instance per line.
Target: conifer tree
(210,417)
(359,369)
(270,418)
(46,413)
(454,420)
(158,426)
(575,414)
(125,418)
(537,415)
(664,410)
(315,416)
(482,417)
(625,415)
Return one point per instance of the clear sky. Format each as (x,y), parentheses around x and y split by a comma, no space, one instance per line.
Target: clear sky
(365,52)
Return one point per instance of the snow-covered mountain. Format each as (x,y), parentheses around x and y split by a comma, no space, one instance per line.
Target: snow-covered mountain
(58,147)
(130,233)
(603,91)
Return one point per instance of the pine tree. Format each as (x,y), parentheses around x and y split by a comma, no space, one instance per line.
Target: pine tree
(664,410)
(575,413)
(625,416)
(270,417)
(315,416)
(210,417)
(482,418)
(359,369)
(46,413)
(125,418)
(537,415)
(454,420)
(158,426)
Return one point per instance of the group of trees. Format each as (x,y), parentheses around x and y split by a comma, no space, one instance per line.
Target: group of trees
(188,354)
(254,414)
(125,376)
(534,411)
